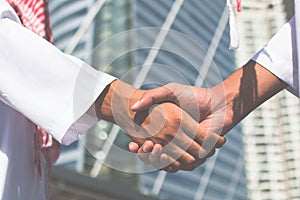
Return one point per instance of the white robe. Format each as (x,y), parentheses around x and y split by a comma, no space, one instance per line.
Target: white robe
(45,86)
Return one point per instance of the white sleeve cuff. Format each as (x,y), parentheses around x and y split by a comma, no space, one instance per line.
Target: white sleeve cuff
(84,121)
(279,56)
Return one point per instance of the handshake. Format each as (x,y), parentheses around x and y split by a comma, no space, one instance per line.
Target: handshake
(163,123)
(177,127)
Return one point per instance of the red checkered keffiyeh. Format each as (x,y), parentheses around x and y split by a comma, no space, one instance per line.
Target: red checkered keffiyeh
(34,15)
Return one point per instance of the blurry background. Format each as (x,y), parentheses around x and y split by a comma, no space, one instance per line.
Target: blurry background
(260,159)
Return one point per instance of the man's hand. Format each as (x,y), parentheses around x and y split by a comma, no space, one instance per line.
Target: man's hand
(205,105)
(166,124)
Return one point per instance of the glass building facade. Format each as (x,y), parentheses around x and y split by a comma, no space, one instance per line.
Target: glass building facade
(188,44)
(222,176)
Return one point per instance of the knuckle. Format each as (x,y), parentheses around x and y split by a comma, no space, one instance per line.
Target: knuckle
(177,120)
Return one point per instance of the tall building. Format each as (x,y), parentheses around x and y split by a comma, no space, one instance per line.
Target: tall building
(271,132)
(205,22)
(188,44)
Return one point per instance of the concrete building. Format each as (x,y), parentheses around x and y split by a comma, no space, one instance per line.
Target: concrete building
(271,132)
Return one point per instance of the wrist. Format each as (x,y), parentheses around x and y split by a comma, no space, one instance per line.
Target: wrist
(103,103)
(244,90)
(222,104)
(117,97)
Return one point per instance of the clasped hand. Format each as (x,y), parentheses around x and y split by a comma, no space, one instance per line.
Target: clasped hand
(167,117)
(199,104)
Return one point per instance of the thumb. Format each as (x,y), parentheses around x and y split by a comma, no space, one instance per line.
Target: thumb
(150,97)
(144,103)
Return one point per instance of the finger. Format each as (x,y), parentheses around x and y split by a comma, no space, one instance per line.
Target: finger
(206,141)
(190,127)
(209,154)
(200,134)
(133,147)
(207,151)
(143,153)
(148,146)
(154,156)
(187,144)
(187,161)
(222,141)
(163,161)
(153,96)
(211,141)
(169,164)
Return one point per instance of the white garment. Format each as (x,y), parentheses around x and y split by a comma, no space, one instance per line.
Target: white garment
(297,24)
(279,56)
(51,89)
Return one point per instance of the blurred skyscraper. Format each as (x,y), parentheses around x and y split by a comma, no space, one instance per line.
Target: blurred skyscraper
(223,176)
(272,131)
(201,22)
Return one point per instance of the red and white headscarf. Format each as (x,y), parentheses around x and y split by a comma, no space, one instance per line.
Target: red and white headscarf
(34,15)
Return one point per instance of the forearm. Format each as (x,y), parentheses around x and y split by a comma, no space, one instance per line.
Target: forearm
(245,90)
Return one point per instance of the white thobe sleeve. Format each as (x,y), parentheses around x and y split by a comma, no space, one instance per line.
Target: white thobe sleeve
(279,56)
(297,27)
(52,89)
